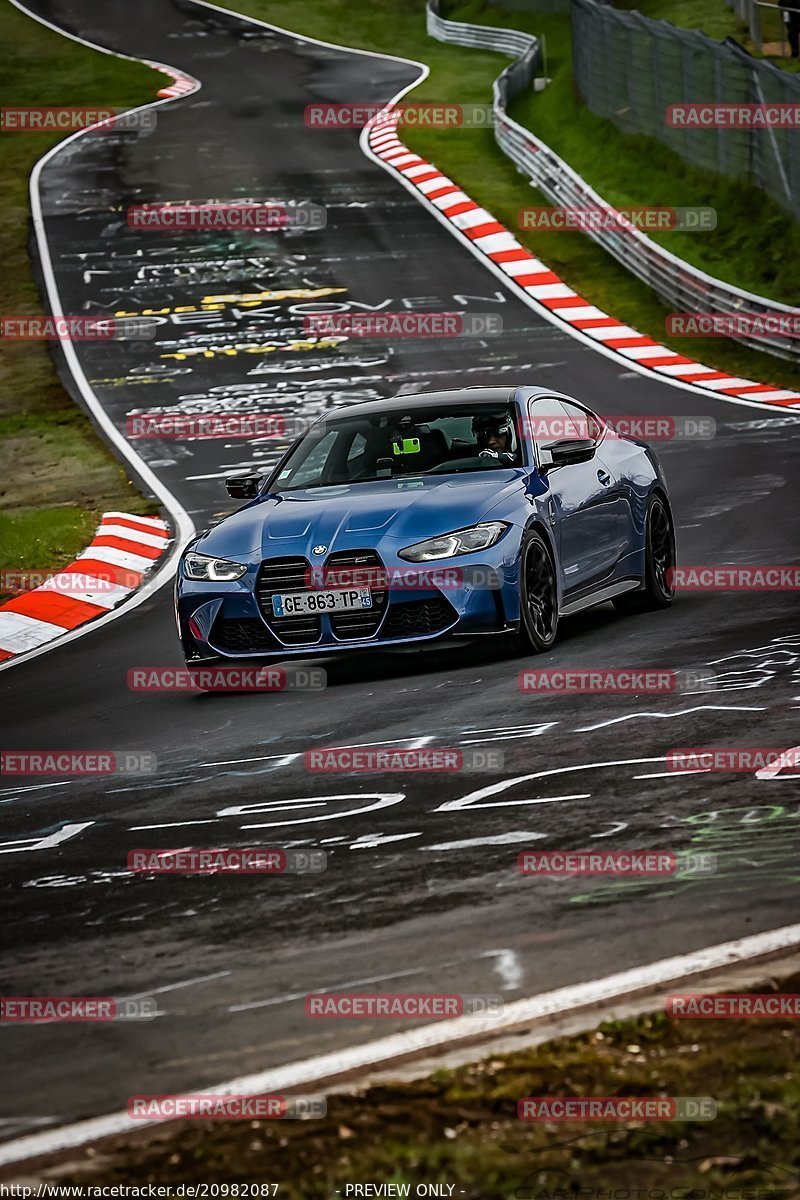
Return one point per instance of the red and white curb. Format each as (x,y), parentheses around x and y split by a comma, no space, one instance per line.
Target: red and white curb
(535,281)
(122,552)
(181,85)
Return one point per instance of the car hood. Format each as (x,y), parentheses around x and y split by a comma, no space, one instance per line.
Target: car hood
(358,515)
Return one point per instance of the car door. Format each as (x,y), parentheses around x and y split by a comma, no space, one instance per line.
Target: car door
(584,502)
(607,472)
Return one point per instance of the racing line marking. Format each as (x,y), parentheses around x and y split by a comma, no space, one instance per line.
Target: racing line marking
(22,845)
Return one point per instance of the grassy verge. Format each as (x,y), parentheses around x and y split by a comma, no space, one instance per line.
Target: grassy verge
(718,20)
(56,476)
(460,1127)
(755,254)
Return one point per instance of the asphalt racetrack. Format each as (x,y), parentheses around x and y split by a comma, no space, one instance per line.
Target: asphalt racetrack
(421,891)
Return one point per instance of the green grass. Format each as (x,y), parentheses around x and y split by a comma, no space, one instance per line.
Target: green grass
(56,479)
(717,20)
(759,255)
(35,538)
(459,1127)
(56,476)
(713,17)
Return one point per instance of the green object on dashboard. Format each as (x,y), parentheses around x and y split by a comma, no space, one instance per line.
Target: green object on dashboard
(405,446)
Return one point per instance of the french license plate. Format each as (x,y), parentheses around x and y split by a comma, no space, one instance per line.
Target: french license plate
(291,604)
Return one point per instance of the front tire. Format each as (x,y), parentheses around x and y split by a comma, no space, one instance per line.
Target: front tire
(659,562)
(538,595)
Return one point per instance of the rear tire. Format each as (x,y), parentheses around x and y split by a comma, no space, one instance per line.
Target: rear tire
(538,595)
(659,562)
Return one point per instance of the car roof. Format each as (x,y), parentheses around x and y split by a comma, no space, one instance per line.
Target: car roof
(483,395)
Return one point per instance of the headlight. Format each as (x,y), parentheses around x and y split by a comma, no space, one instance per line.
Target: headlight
(217,570)
(463,541)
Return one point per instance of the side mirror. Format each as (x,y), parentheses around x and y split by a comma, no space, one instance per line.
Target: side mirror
(243,487)
(561,454)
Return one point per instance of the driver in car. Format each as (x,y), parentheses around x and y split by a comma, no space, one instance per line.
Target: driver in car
(496,437)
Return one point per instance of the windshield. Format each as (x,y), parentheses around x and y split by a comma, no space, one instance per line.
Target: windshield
(400,443)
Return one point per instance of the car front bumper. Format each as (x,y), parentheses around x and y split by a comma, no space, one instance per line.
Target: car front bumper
(421,604)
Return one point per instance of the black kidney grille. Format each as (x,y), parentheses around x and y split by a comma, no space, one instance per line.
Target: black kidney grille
(284,575)
(287,575)
(347,566)
(416,618)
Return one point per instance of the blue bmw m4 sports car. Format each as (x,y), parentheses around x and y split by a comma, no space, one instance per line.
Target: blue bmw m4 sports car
(413,521)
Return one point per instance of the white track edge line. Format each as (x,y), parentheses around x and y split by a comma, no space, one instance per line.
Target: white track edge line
(383,1051)
(183,525)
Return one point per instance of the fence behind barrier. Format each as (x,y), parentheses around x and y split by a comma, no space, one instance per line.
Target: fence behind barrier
(679,285)
(630,69)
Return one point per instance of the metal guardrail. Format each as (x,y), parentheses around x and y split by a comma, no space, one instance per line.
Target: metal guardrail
(678,284)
